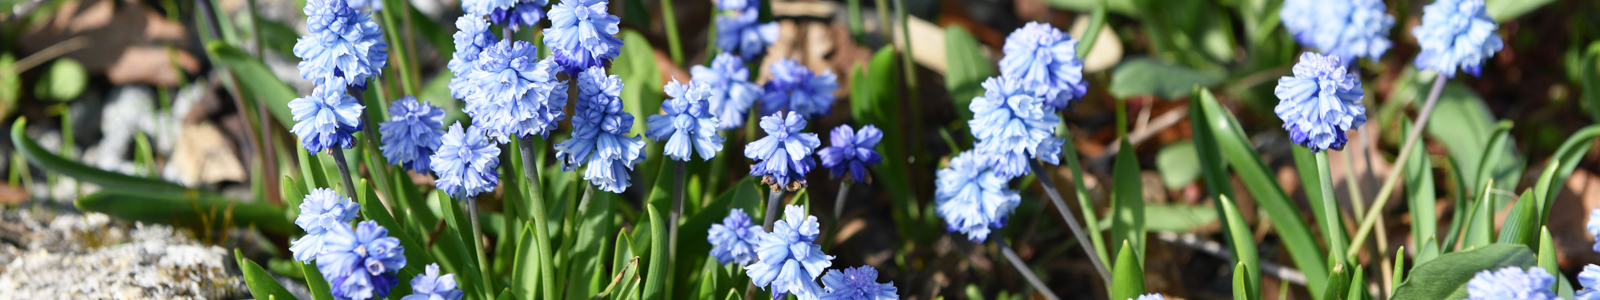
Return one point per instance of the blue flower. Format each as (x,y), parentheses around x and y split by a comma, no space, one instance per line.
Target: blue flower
(411,134)
(856,284)
(790,261)
(1456,33)
(732,93)
(431,286)
(733,241)
(736,4)
(524,13)
(795,88)
(1013,125)
(344,43)
(973,198)
(361,264)
(600,134)
(466,162)
(1045,61)
(1320,102)
(1511,283)
(513,95)
(739,31)
(375,5)
(320,210)
(472,37)
(1151,297)
(481,8)
(1347,29)
(1594,226)
(1590,281)
(582,35)
(326,118)
(687,126)
(851,151)
(783,157)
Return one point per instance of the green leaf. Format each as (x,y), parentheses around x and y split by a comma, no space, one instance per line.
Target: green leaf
(1338,282)
(278,37)
(695,228)
(105,179)
(1242,289)
(1428,252)
(1358,286)
(967,69)
(1480,228)
(1520,226)
(261,284)
(1547,253)
(1179,164)
(1146,76)
(1127,277)
(1495,149)
(624,279)
(1564,161)
(583,259)
(374,210)
(454,241)
(315,282)
(1177,217)
(525,269)
(1588,78)
(1244,250)
(1399,270)
(1420,198)
(65,80)
(256,79)
(1125,7)
(1128,219)
(1463,124)
(185,208)
(10,83)
(1447,276)
(1506,10)
(656,277)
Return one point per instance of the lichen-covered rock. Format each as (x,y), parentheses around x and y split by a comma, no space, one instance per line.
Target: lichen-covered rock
(153,263)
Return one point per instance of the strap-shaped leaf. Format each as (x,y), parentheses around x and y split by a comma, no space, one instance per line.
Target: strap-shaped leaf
(1127,277)
(185,208)
(1446,277)
(37,155)
(261,284)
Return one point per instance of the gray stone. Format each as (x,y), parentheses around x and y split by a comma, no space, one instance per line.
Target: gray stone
(155,263)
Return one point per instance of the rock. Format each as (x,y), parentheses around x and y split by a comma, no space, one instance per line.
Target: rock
(155,264)
(204,156)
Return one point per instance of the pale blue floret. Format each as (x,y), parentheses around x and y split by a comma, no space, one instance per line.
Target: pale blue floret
(734,240)
(472,37)
(972,198)
(1512,283)
(740,31)
(1045,61)
(688,126)
(1456,34)
(850,152)
(1320,102)
(1014,125)
(797,89)
(465,163)
(525,13)
(783,157)
(326,118)
(513,94)
(858,283)
(1593,226)
(600,138)
(343,43)
(582,35)
(321,210)
(790,260)
(1347,29)
(411,134)
(732,93)
(431,286)
(360,264)
(1589,279)
(1151,297)
(482,8)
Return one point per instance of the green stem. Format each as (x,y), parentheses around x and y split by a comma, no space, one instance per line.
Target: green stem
(1330,209)
(477,244)
(669,20)
(774,200)
(1072,222)
(541,235)
(1122,117)
(857,29)
(344,170)
(397,46)
(838,202)
(1097,20)
(1371,217)
(1022,268)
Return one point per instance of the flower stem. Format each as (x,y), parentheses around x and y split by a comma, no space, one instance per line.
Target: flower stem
(477,244)
(669,20)
(1371,217)
(1334,232)
(541,236)
(838,203)
(344,170)
(1016,261)
(1049,186)
(774,200)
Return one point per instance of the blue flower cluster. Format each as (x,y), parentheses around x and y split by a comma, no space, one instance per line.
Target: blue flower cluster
(1013,125)
(1456,34)
(1320,102)
(510,13)
(600,134)
(851,151)
(972,196)
(466,162)
(1346,29)
(732,93)
(431,286)
(411,134)
(471,38)
(856,283)
(1512,283)
(582,35)
(360,264)
(739,29)
(797,89)
(790,261)
(482,8)
(321,210)
(688,126)
(734,240)
(344,43)
(512,94)
(1045,61)
(326,118)
(783,157)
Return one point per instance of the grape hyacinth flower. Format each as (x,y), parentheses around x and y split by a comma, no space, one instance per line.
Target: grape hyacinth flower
(796,88)
(481,8)
(972,197)
(734,240)
(1320,102)
(1151,297)
(343,43)
(790,260)
(1013,125)
(1512,283)
(411,134)
(1045,61)
(466,162)
(431,286)
(326,118)
(1590,281)
(600,134)
(513,94)
(375,5)
(473,36)
(736,4)
(851,151)
(321,210)
(740,31)
(525,13)
(732,93)
(1456,34)
(1594,226)
(688,126)
(783,157)
(361,264)
(582,35)
(860,283)
(1346,29)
